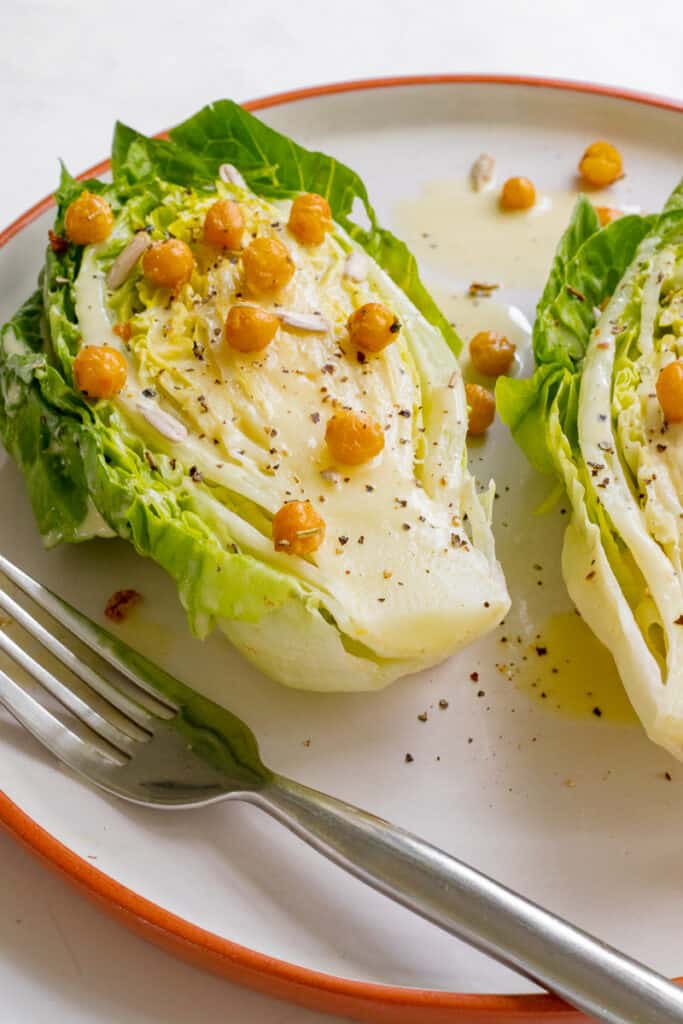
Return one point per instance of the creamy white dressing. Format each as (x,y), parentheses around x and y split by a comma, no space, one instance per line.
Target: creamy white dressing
(93,524)
(12,345)
(13,394)
(470,315)
(662,265)
(396,569)
(449,226)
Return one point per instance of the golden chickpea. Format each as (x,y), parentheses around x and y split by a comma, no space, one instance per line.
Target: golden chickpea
(100,371)
(606,214)
(268,265)
(168,264)
(89,219)
(297,528)
(372,327)
(601,164)
(517,194)
(491,353)
(123,330)
(670,391)
(310,218)
(224,225)
(250,328)
(482,409)
(353,437)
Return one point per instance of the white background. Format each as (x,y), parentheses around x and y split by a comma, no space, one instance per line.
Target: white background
(67,71)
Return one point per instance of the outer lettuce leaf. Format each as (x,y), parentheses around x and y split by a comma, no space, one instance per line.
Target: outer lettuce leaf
(588,265)
(38,436)
(563,327)
(273,166)
(584,223)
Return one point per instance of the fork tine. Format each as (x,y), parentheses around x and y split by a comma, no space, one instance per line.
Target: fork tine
(97,639)
(66,696)
(100,685)
(65,744)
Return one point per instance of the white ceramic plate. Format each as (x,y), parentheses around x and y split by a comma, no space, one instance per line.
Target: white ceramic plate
(571,809)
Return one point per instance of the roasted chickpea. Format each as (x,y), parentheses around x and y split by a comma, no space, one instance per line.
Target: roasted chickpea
(372,327)
(123,330)
(482,409)
(297,528)
(670,391)
(168,264)
(268,265)
(100,371)
(601,164)
(310,218)
(606,214)
(491,353)
(89,219)
(250,328)
(224,225)
(517,194)
(353,437)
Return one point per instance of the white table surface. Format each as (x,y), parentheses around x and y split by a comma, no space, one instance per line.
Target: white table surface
(67,71)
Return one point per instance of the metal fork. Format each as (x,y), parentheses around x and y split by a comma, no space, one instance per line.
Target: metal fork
(146,737)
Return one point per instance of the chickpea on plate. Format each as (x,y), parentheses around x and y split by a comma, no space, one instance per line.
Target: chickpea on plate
(491,353)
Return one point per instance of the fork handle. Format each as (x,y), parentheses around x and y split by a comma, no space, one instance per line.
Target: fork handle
(589,974)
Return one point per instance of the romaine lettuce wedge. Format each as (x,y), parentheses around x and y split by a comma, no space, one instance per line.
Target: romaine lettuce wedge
(609,320)
(192,459)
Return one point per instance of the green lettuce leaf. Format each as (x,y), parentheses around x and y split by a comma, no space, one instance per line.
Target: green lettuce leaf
(275,167)
(588,265)
(584,223)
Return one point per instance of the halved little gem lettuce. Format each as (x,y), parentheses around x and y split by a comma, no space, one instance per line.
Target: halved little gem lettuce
(603,411)
(277,417)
